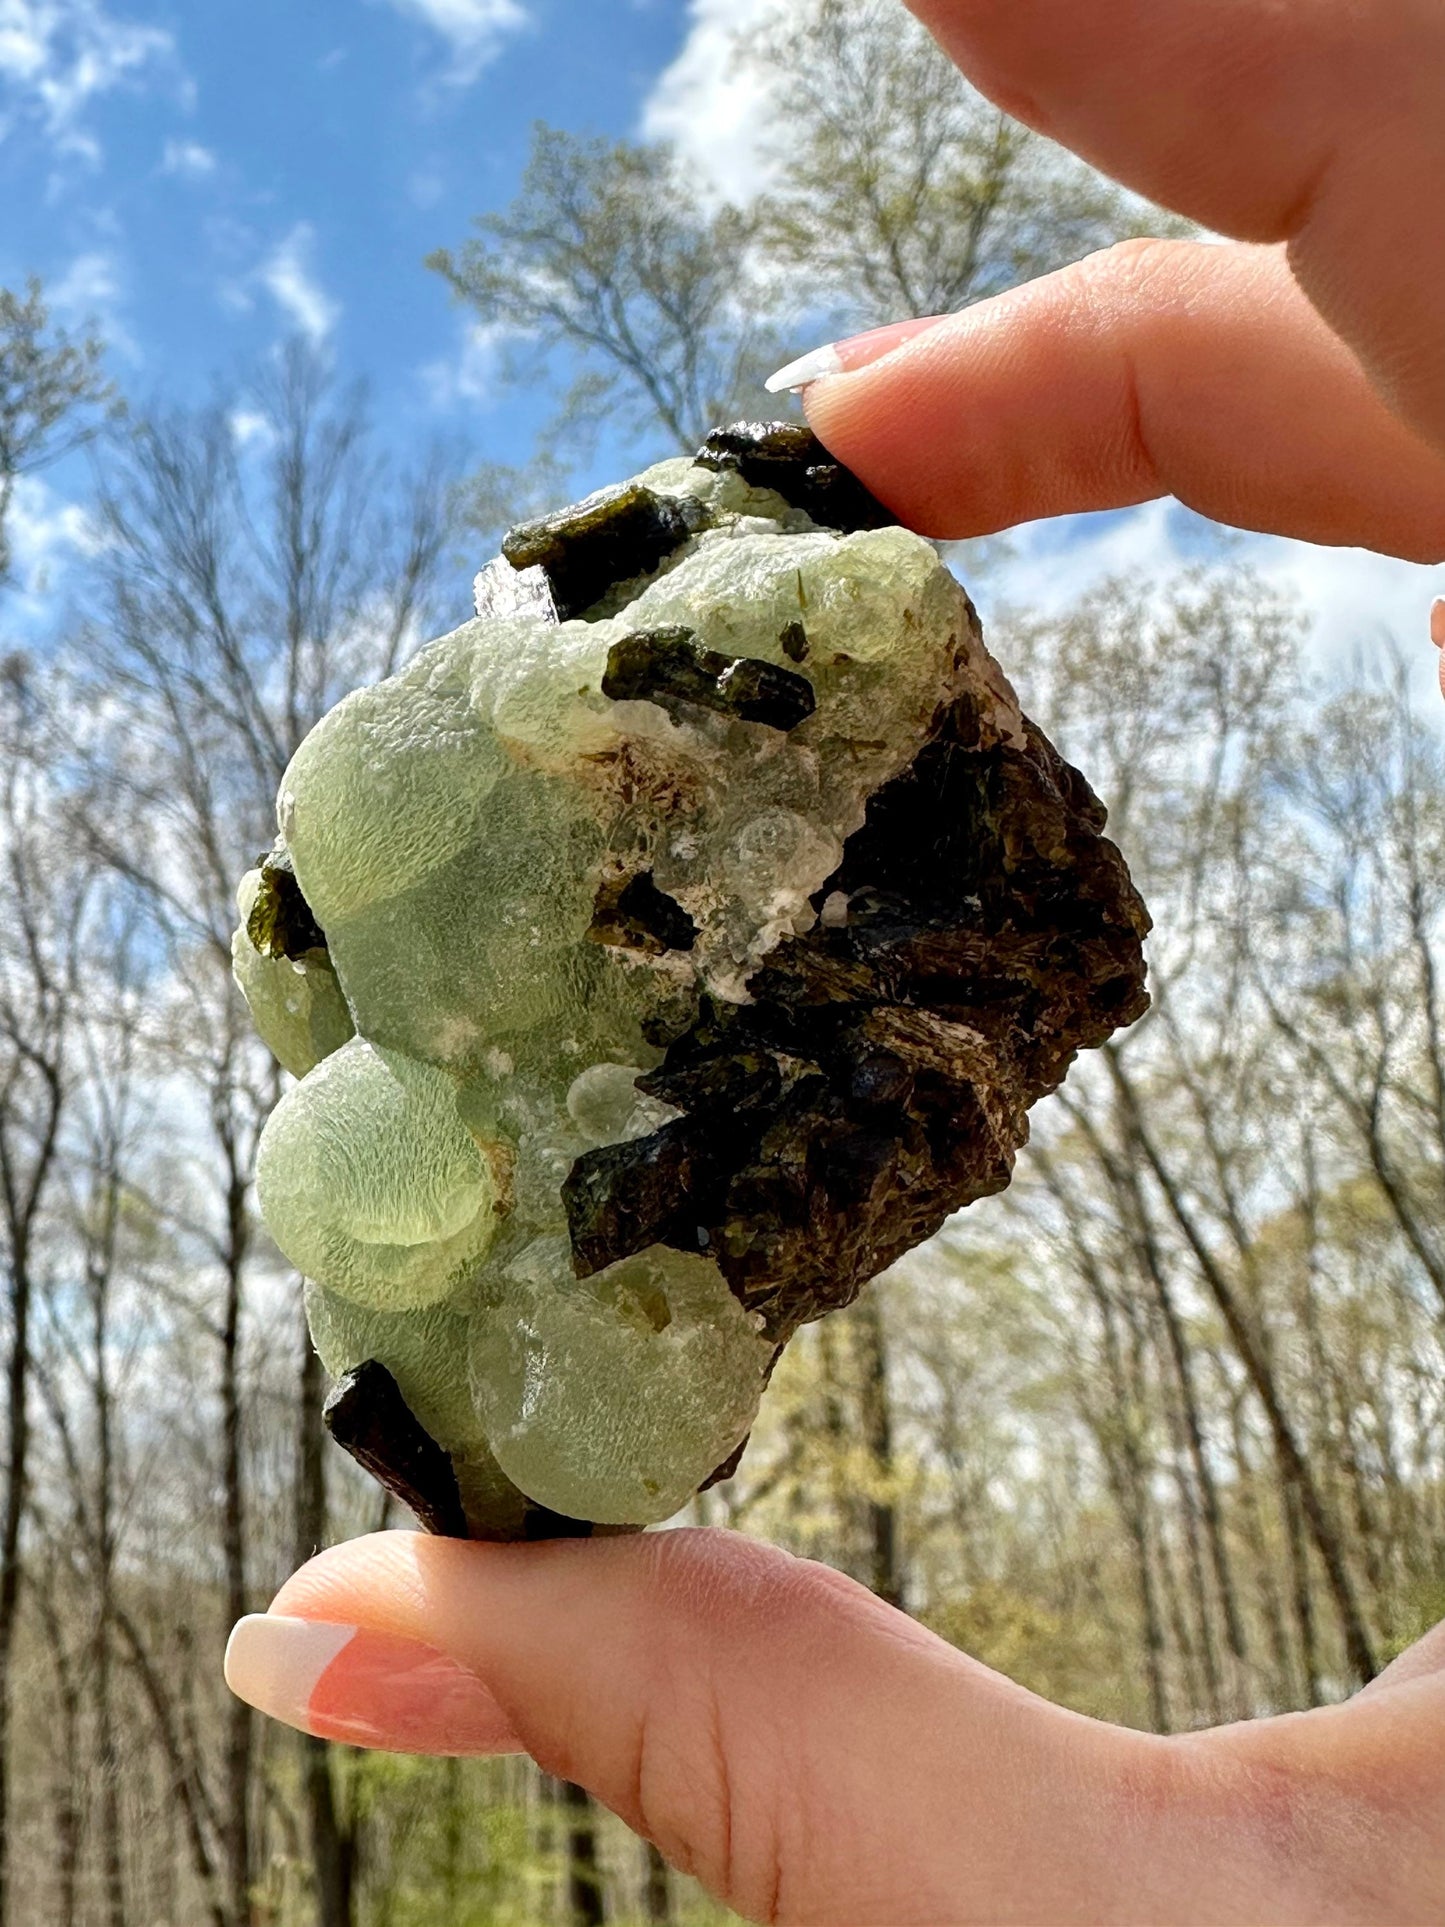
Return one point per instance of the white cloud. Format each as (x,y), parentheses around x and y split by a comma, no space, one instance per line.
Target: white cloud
(87,290)
(470,375)
(288,276)
(56,56)
(1357,602)
(248,426)
(473,29)
(90,294)
(711,108)
(47,536)
(717,113)
(188,159)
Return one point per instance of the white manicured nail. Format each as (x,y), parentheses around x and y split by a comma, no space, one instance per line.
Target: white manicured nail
(797,374)
(274,1662)
(843,357)
(364,1688)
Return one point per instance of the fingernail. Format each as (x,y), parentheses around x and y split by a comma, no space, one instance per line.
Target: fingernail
(363,1688)
(1437,622)
(842,357)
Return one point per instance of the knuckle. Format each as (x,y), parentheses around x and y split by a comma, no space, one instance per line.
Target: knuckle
(712,1788)
(706,1797)
(1137,266)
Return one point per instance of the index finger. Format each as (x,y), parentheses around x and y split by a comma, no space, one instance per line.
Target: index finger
(1155,368)
(1313,122)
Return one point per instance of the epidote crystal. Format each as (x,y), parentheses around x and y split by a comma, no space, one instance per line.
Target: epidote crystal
(660,955)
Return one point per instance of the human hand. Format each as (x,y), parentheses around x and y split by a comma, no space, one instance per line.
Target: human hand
(813,1755)
(1293,381)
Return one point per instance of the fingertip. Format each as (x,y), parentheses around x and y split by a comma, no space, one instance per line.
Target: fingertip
(274,1660)
(375,1580)
(1151,368)
(882,422)
(363,1688)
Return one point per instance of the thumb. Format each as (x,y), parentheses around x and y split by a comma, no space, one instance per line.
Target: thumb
(807,1752)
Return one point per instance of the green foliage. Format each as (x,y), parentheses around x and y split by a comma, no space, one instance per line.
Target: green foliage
(453,1844)
(53,394)
(1420,1606)
(1070,1657)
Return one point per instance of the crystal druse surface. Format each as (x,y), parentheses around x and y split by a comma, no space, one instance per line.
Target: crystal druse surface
(531,940)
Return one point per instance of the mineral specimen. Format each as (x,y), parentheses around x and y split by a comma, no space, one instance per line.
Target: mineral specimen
(660,955)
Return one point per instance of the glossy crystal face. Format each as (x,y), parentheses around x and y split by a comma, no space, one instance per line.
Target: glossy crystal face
(505,880)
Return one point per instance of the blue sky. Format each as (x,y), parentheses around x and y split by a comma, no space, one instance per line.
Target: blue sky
(204,180)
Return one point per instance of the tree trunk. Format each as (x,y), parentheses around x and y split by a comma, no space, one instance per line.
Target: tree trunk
(1115,1433)
(848,1530)
(108,1773)
(333,1867)
(1124,1177)
(454,1817)
(656,1890)
(22,1199)
(239,1721)
(1213,1703)
(585,1900)
(188,1789)
(107,1754)
(66,1755)
(17,1386)
(333,1847)
(1198,1456)
(885,1566)
(1358,1648)
(1124,1468)
(1301,1596)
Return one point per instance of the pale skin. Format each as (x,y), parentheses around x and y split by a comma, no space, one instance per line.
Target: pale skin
(809,1753)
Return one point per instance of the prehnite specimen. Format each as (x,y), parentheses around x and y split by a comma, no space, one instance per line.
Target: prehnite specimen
(659,955)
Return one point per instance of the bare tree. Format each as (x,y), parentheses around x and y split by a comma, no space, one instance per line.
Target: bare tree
(69,1755)
(47,888)
(1158,1432)
(899,190)
(586,1895)
(610,264)
(1362,907)
(51,393)
(245,599)
(334,1836)
(1217,711)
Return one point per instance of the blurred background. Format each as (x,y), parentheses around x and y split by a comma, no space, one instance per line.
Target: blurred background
(298,308)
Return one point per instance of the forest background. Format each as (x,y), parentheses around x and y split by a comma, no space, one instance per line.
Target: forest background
(1159,1432)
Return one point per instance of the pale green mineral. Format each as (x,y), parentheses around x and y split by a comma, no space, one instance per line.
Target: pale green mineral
(296,1004)
(472,835)
(607,1397)
(371,1182)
